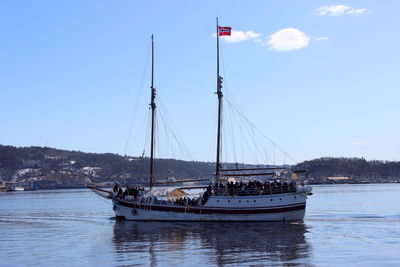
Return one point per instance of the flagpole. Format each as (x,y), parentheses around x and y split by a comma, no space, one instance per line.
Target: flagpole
(217,51)
(219,93)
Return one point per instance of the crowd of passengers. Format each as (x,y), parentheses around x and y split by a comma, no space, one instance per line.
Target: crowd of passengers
(186,201)
(129,191)
(241,188)
(253,188)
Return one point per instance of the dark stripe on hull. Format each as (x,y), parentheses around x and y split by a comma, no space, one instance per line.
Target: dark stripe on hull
(205,210)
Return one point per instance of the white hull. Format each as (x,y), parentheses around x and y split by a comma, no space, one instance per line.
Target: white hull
(283,207)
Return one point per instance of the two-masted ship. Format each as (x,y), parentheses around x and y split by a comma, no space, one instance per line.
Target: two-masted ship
(225,198)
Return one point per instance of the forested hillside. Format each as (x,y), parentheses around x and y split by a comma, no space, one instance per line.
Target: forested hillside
(62,167)
(55,168)
(358,169)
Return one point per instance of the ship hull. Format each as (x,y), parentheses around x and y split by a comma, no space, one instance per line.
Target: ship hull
(282,207)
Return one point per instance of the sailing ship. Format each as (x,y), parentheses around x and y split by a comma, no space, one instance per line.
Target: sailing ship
(223,199)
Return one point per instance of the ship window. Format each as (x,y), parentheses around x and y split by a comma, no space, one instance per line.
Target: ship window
(240,201)
(295,197)
(247,200)
(254,200)
(217,200)
(280,198)
(229,201)
(272,199)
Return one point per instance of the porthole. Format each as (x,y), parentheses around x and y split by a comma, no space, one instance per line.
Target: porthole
(295,197)
(272,199)
(254,200)
(280,198)
(240,201)
(247,200)
(229,201)
(217,200)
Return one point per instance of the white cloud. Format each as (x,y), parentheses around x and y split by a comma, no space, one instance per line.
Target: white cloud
(241,36)
(288,39)
(338,10)
(322,38)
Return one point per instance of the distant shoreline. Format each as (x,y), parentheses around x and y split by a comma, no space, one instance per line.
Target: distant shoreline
(49,168)
(84,187)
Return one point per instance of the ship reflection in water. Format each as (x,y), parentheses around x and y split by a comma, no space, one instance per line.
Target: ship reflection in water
(160,243)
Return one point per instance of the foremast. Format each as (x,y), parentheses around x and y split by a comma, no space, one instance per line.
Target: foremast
(153,113)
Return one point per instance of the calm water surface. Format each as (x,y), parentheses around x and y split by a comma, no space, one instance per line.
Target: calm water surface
(345,225)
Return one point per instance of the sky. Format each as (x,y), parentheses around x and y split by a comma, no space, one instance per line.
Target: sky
(317,78)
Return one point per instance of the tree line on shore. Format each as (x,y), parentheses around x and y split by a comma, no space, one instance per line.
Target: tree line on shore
(60,165)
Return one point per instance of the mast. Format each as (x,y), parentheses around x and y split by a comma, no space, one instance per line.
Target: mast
(220,95)
(153,110)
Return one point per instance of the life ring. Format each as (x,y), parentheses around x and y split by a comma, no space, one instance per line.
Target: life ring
(134,212)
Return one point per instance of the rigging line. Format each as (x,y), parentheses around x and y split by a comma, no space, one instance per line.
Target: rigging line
(169,146)
(157,152)
(230,130)
(233,137)
(253,143)
(184,151)
(162,128)
(225,151)
(181,58)
(137,101)
(231,99)
(241,135)
(244,137)
(224,70)
(267,157)
(266,137)
(139,165)
(123,106)
(136,135)
(226,130)
(147,134)
(212,137)
(230,95)
(187,82)
(260,148)
(263,148)
(274,151)
(174,130)
(166,130)
(253,137)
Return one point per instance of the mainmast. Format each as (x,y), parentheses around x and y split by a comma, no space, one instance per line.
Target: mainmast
(153,110)
(220,95)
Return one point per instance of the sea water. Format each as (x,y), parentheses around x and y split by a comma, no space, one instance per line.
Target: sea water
(345,225)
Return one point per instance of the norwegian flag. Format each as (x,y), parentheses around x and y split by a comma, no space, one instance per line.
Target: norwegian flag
(224,31)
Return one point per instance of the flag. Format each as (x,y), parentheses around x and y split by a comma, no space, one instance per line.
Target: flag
(224,31)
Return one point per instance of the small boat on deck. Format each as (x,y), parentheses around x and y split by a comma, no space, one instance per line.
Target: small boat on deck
(277,195)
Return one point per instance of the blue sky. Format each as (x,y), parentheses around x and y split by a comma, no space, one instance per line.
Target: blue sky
(319,78)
